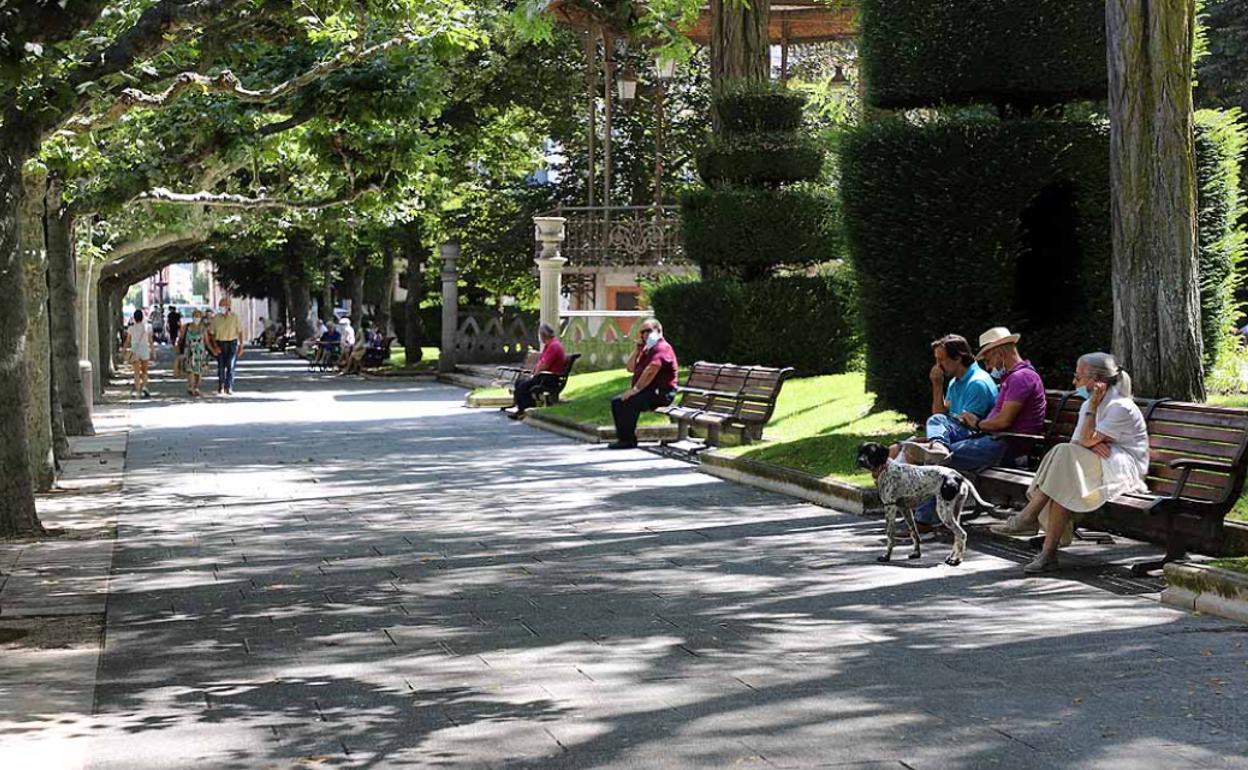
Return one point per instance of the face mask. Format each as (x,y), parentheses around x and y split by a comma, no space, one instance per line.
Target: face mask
(652,339)
(997,373)
(1082,392)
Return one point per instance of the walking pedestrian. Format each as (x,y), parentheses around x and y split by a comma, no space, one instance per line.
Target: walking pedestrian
(226,342)
(139,350)
(195,341)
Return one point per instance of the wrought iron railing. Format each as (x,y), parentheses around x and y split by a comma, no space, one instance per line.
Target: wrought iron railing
(622,235)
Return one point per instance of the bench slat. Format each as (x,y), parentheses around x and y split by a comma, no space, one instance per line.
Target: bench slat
(1192,414)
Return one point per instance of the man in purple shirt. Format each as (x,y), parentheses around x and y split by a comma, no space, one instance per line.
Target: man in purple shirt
(654,367)
(1019,408)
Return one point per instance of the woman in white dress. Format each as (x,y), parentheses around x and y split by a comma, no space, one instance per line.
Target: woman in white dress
(139,351)
(1107,456)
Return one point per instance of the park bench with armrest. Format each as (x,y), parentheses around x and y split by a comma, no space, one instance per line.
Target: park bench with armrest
(719,397)
(547,386)
(508,376)
(375,357)
(1197,459)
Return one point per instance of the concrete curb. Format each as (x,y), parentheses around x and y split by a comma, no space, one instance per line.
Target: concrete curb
(488,402)
(595,434)
(825,490)
(1202,588)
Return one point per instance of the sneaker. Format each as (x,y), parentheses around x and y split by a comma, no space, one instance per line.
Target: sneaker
(621,445)
(1016,527)
(516,415)
(1042,564)
(920,453)
(145,394)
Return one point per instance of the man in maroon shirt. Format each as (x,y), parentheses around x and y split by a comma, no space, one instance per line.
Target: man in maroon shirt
(653,364)
(553,359)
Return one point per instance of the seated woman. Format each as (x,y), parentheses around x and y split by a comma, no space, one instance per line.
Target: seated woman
(1107,456)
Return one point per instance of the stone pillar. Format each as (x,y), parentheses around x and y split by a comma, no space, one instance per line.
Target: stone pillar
(450,305)
(550,234)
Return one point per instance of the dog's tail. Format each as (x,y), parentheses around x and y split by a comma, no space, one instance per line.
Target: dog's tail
(979,500)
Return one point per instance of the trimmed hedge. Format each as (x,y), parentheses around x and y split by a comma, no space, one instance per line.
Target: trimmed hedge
(759,160)
(964,225)
(1221,138)
(748,107)
(750,232)
(923,53)
(807,322)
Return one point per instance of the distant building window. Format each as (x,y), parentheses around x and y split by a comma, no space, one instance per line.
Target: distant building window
(627,300)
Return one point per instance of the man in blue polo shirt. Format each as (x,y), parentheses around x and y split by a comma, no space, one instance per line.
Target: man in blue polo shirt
(971,390)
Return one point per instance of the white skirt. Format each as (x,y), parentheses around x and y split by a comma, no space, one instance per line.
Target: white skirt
(1074,478)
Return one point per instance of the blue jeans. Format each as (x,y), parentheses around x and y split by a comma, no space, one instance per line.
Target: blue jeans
(947,430)
(225,364)
(972,454)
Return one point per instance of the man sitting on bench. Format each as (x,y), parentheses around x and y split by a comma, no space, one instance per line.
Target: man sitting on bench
(554,359)
(970,389)
(1020,407)
(653,364)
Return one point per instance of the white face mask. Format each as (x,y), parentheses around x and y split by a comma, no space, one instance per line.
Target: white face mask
(652,339)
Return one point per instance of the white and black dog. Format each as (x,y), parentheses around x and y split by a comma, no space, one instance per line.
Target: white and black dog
(903,486)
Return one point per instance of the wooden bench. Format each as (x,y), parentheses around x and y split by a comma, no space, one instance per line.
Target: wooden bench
(375,357)
(1197,460)
(547,386)
(507,376)
(718,397)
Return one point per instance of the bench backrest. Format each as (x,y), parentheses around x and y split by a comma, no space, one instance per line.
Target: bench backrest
(1176,430)
(748,393)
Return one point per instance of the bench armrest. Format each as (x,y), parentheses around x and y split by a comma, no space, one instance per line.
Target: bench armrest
(1009,434)
(1191,463)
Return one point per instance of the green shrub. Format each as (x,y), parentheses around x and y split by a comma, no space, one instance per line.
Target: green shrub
(693,315)
(747,233)
(807,322)
(964,225)
(1220,141)
(920,53)
(750,107)
(759,160)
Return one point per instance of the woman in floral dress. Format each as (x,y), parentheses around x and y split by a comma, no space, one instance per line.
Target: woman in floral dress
(196,352)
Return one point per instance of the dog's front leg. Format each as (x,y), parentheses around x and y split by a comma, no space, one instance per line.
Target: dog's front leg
(917,551)
(890,523)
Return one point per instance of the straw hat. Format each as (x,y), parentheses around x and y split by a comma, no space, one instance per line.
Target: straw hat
(996,337)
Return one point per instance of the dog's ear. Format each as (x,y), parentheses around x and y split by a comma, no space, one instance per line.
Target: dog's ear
(872,455)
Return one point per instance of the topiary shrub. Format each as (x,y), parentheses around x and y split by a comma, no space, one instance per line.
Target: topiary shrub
(754,218)
(748,107)
(759,160)
(807,322)
(964,225)
(753,231)
(922,53)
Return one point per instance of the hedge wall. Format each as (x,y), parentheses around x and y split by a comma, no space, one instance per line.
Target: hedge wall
(920,53)
(965,225)
(807,322)
(1221,138)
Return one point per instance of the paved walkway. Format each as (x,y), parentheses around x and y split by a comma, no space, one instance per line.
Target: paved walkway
(327,572)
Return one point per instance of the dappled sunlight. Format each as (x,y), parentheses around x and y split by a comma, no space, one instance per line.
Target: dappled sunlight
(442,587)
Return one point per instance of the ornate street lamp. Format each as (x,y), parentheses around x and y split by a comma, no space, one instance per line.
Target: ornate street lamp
(665,68)
(627,85)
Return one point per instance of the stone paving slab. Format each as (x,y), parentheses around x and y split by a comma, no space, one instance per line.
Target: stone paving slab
(329,572)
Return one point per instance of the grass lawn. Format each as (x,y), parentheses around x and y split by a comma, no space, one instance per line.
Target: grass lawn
(428,359)
(1238,564)
(587,398)
(819,423)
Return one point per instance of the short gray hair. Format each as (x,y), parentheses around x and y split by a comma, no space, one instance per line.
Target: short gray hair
(1103,367)
(547,330)
(658,327)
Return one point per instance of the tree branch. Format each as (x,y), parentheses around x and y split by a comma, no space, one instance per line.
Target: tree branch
(230,200)
(228,83)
